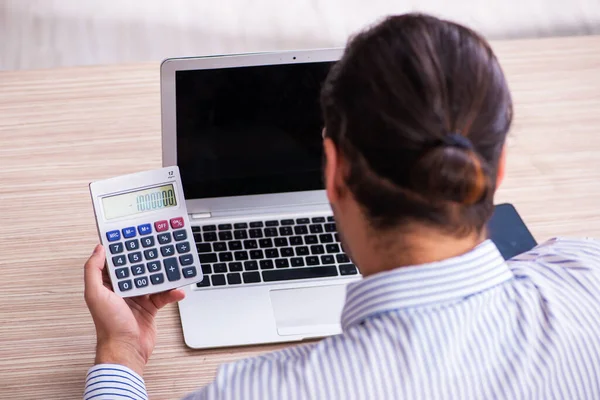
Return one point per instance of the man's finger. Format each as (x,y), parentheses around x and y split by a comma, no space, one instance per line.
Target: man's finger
(162,299)
(93,269)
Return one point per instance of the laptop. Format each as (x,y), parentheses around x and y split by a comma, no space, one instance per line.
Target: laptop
(245,132)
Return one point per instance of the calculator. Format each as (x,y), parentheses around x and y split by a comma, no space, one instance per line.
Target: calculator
(143,224)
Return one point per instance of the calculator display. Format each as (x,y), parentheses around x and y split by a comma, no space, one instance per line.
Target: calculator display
(139,201)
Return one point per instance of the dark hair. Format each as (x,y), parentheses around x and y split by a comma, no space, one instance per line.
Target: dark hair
(394,105)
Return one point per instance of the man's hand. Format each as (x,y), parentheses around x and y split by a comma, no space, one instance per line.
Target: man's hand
(125,328)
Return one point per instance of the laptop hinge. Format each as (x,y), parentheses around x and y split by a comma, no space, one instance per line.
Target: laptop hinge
(200,215)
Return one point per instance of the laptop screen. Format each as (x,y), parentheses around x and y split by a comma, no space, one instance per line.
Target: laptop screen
(250,130)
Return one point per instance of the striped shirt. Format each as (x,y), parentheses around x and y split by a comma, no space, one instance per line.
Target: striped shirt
(469,327)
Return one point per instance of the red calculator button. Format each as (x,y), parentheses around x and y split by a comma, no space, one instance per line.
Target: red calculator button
(177,222)
(161,226)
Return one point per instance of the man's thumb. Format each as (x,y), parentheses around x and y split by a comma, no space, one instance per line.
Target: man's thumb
(93,268)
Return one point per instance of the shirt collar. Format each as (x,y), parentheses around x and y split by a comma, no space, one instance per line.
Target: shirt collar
(419,285)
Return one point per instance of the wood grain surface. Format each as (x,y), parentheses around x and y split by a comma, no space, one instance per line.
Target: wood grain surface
(61,129)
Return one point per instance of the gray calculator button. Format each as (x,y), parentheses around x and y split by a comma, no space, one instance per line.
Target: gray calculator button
(141,282)
(135,257)
(183,247)
(153,266)
(172,269)
(167,251)
(132,244)
(147,241)
(122,273)
(189,272)
(125,285)
(151,254)
(186,259)
(138,269)
(180,235)
(119,260)
(157,279)
(164,238)
(116,248)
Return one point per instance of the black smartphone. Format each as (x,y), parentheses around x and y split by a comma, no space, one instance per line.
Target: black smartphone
(508,231)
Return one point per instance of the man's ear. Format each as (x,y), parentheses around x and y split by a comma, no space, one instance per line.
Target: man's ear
(501,168)
(332,169)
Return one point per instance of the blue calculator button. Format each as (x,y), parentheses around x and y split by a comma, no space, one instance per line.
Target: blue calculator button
(113,235)
(145,229)
(129,232)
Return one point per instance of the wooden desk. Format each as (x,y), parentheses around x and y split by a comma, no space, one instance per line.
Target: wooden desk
(61,129)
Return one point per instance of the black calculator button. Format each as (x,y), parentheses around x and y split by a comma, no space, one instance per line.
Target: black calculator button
(138,269)
(220,268)
(141,282)
(180,235)
(153,266)
(210,237)
(132,245)
(148,241)
(172,269)
(135,257)
(150,254)
(218,280)
(234,279)
(203,248)
(119,260)
(183,247)
(164,238)
(167,251)
(122,273)
(116,248)
(189,272)
(186,259)
(125,285)
(157,279)
(205,282)
(208,258)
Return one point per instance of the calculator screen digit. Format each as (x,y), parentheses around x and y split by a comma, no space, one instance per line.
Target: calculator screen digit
(139,201)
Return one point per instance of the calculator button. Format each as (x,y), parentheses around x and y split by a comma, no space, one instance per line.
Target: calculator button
(189,272)
(157,279)
(161,226)
(141,282)
(183,247)
(164,238)
(119,260)
(129,232)
(116,248)
(147,241)
(177,223)
(125,285)
(145,229)
(150,254)
(167,251)
(186,259)
(113,235)
(180,235)
(137,269)
(153,266)
(135,257)
(172,269)
(132,244)
(122,273)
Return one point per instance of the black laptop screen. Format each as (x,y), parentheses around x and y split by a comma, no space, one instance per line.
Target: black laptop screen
(250,130)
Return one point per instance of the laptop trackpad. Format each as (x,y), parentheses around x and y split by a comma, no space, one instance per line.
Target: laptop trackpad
(308,311)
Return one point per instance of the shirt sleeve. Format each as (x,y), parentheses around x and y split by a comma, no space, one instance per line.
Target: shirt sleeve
(115,382)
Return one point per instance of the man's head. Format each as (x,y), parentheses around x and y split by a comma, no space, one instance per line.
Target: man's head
(390,105)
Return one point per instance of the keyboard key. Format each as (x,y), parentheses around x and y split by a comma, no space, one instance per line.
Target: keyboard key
(172,269)
(147,241)
(265,243)
(141,282)
(280,242)
(348,269)
(256,224)
(299,273)
(225,227)
(302,221)
(235,267)
(282,263)
(195,229)
(128,232)
(326,238)
(271,232)
(330,228)
(164,238)
(225,235)
(177,222)
(153,266)
(297,262)
(183,247)
(122,273)
(316,228)
(287,252)
(113,236)
(251,265)
(189,272)
(218,280)
(220,246)
(237,245)
(240,225)
(328,259)
(330,218)
(208,258)
(234,279)
(205,282)
(186,259)
(167,250)
(240,235)
(150,254)
(180,235)
(287,222)
(250,244)
(272,223)
(225,257)
(256,233)
(332,248)
(300,230)
(251,277)
(342,258)
(271,253)
(203,248)
(240,255)
(296,241)
(302,251)
(138,269)
(220,268)
(132,244)
(209,228)
(286,231)
(206,269)
(157,279)
(266,264)
(312,239)
(312,260)
(209,237)
(317,249)
(161,226)
(337,237)
(198,237)
(256,254)
(115,248)
(145,229)
(318,220)
(135,257)
(125,285)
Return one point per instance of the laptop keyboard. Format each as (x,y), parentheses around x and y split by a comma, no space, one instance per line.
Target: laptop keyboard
(270,251)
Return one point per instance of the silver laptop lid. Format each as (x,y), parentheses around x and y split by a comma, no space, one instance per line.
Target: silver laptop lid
(245,130)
